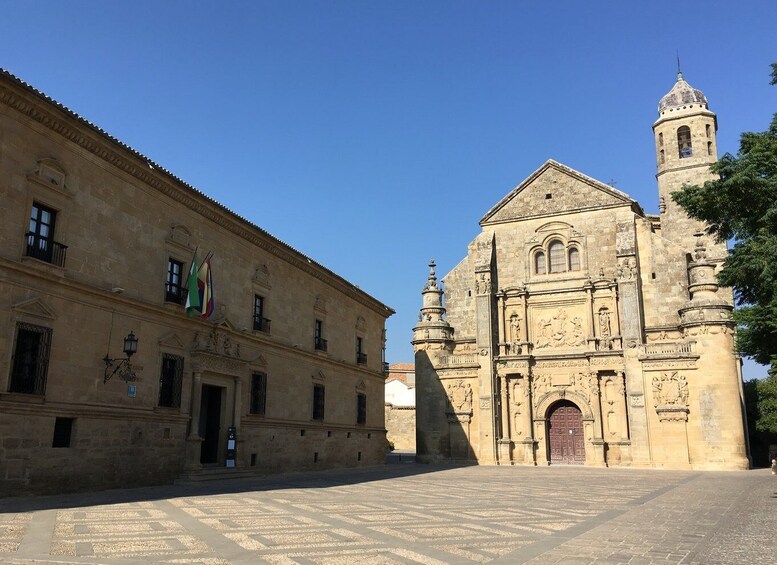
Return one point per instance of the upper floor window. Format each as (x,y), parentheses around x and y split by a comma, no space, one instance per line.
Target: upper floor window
(258,393)
(320,342)
(684,142)
(540,267)
(361,408)
(660,139)
(174,290)
(318,402)
(558,262)
(170,381)
(361,356)
(261,323)
(708,129)
(561,258)
(574,259)
(30,359)
(40,236)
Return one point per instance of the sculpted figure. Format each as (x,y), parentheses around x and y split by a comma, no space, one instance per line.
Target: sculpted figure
(604,322)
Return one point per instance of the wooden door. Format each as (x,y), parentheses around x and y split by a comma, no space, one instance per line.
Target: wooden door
(565,433)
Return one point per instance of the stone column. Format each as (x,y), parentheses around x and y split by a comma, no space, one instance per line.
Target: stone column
(594,398)
(237,413)
(487,415)
(194,441)
(505,440)
(500,297)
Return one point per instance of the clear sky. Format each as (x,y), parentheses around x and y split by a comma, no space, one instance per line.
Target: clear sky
(373,136)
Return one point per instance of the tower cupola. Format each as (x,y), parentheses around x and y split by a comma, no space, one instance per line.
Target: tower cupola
(432,331)
(682,94)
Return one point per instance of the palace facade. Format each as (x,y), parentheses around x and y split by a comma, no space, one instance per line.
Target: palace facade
(579,329)
(105,381)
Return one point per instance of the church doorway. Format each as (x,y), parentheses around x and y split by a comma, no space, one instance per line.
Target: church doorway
(210,423)
(565,434)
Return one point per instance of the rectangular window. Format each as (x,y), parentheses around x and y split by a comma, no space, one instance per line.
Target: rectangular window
(361,357)
(63,429)
(40,236)
(361,408)
(320,342)
(318,402)
(261,324)
(258,393)
(30,359)
(174,291)
(170,381)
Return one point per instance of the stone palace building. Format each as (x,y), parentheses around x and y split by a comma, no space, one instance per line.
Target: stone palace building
(104,379)
(579,329)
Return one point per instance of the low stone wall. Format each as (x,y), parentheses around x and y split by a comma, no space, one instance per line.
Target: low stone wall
(400,426)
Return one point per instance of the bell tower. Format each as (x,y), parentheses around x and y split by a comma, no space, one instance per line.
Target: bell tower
(686,146)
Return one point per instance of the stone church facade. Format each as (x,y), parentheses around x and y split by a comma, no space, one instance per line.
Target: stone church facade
(579,329)
(98,241)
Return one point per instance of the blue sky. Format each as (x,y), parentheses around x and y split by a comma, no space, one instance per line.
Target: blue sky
(373,136)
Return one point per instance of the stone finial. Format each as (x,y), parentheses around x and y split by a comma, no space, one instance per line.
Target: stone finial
(700,253)
(432,282)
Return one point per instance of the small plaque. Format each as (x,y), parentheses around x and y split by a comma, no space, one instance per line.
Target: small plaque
(132,391)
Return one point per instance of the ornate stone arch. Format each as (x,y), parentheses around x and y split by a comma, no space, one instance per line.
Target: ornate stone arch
(550,398)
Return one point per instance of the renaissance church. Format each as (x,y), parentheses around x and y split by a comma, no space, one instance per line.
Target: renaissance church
(580,330)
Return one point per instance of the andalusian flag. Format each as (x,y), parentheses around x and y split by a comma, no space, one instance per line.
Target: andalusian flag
(193,303)
(205,287)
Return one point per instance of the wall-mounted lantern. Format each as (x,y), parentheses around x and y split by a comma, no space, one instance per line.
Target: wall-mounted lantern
(130,347)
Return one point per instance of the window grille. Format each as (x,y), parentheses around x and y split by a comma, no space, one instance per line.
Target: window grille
(258,393)
(558,262)
(170,381)
(318,402)
(361,408)
(31,359)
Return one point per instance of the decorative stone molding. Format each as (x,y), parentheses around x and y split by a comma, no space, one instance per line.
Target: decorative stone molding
(217,343)
(34,307)
(460,397)
(559,330)
(262,276)
(626,269)
(670,397)
(483,283)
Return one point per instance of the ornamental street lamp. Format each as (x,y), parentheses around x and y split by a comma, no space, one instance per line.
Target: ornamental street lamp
(130,348)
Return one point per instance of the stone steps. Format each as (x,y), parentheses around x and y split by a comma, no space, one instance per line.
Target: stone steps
(212,474)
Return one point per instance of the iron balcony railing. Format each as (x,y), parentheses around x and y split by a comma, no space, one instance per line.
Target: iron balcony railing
(320,344)
(175,294)
(45,249)
(261,324)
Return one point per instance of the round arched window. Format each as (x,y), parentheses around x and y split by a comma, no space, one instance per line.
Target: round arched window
(558,262)
(539,263)
(574,259)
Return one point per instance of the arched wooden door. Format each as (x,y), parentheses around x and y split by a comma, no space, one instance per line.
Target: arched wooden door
(565,434)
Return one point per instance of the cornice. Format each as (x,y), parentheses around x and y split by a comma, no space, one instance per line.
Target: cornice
(89,137)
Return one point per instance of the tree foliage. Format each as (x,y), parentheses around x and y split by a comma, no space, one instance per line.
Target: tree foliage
(742,205)
(761,403)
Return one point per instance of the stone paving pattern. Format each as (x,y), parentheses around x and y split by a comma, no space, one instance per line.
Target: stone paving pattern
(409,513)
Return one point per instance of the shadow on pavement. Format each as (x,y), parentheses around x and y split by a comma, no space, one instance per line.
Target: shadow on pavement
(298,480)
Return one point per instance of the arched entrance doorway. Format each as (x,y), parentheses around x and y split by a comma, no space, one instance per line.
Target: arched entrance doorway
(565,434)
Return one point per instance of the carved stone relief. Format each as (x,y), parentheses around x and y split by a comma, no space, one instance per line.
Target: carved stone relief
(626,269)
(483,283)
(217,343)
(559,330)
(670,397)
(460,395)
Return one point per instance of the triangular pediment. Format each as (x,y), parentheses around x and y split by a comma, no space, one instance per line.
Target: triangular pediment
(224,323)
(36,308)
(258,360)
(555,189)
(171,340)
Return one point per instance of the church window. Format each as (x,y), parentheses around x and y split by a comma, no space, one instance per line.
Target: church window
(574,259)
(684,142)
(662,158)
(557,258)
(539,263)
(709,148)
(660,139)
(709,130)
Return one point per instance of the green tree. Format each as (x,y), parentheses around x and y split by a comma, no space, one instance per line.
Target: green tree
(742,205)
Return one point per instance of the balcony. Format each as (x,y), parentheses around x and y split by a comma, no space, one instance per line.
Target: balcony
(361,358)
(261,324)
(45,249)
(175,294)
(320,344)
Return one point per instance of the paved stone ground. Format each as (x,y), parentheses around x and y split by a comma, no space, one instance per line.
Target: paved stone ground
(408,513)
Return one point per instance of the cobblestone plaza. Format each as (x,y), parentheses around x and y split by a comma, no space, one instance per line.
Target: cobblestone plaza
(409,513)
